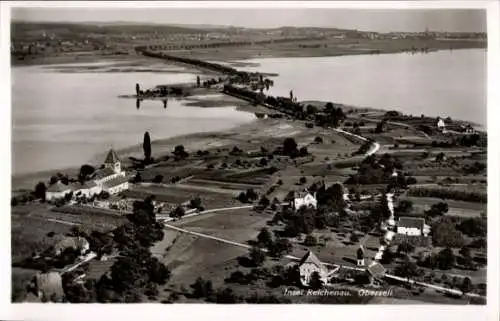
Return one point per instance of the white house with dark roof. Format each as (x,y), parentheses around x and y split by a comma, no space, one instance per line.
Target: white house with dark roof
(310,264)
(412,226)
(57,190)
(441,125)
(304,198)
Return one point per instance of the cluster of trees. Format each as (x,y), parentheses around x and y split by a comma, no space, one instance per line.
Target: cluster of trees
(178,212)
(333,115)
(445,193)
(257,98)
(381,212)
(290,148)
(196,203)
(474,169)
(203,289)
(437,209)
(85,173)
(276,247)
(363,149)
(305,220)
(180,152)
(445,233)
(254,275)
(407,269)
(443,260)
(473,227)
(379,170)
(247,196)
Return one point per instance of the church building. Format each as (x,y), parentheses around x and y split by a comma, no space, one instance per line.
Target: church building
(110,179)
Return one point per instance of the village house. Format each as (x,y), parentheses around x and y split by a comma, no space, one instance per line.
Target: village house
(310,264)
(412,226)
(302,199)
(57,190)
(441,125)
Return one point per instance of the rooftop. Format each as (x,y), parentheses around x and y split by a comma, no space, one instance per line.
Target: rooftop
(59,187)
(311,258)
(411,222)
(85,185)
(102,173)
(376,269)
(115,181)
(111,158)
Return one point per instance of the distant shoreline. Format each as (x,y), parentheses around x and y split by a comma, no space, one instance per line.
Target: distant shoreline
(234,58)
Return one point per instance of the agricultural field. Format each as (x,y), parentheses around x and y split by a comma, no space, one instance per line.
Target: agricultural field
(190,256)
(31,225)
(29,234)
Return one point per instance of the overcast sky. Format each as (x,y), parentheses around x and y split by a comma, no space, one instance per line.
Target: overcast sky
(453,20)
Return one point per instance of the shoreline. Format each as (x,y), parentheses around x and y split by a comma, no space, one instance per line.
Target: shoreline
(21,179)
(231,61)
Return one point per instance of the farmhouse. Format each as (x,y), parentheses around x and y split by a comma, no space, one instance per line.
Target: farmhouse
(310,264)
(412,226)
(304,199)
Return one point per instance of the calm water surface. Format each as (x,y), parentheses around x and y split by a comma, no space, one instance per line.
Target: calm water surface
(443,83)
(62,119)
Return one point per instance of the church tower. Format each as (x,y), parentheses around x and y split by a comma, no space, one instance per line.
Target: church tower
(112,161)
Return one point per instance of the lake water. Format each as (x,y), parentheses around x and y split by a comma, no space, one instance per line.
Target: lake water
(65,119)
(443,83)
